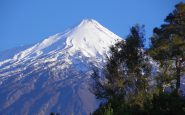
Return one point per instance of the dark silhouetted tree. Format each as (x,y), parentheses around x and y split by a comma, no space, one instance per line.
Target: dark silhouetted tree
(168,45)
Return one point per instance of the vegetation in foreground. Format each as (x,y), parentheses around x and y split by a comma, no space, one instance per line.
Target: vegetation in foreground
(133,85)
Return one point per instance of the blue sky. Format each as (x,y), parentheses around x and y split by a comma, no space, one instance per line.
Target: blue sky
(25,22)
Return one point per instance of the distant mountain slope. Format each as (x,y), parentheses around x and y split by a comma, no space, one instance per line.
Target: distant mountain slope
(9,53)
(54,75)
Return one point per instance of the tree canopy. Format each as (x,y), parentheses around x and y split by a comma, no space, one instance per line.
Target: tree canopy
(131,86)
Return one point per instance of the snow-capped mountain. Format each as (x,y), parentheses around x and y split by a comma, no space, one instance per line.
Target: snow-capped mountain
(54,74)
(6,54)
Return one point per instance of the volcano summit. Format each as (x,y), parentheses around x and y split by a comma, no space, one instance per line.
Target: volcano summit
(54,74)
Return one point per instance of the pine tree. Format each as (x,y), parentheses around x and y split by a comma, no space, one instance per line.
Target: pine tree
(112,85)
(127,72)
(168,43)
(138,65)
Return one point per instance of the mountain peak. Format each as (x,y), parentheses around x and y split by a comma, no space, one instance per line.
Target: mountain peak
(89,23)
(88,20)
(89,37)
(56,72)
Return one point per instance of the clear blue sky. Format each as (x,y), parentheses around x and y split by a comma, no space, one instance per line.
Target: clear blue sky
(25,22)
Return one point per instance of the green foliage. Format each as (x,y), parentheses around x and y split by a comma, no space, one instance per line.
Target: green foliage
(129,88)
(168,44)
(127,73)
(105,110)
(168,104)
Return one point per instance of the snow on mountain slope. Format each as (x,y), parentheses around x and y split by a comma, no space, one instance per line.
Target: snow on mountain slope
(9,53)
(83,38)
(54,75)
